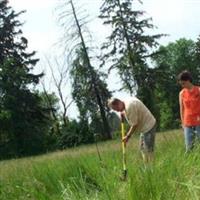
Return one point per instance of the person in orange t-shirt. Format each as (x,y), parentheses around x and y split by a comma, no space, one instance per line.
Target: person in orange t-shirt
(189,101)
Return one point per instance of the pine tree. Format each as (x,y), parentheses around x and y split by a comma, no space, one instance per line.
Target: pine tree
(25,119)
(128,46)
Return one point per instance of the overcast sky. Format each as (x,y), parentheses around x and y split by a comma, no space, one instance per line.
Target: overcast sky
(178,18)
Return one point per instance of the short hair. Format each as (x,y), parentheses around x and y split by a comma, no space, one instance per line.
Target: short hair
(185,76)
(113,102)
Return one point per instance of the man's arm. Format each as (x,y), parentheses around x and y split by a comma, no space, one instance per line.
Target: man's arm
(129,133)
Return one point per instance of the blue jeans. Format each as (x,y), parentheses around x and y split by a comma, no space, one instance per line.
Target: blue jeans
(191,133)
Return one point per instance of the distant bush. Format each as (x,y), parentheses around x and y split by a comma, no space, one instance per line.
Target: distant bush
(74,134)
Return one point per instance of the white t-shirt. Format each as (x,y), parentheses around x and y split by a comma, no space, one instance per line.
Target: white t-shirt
(138,114)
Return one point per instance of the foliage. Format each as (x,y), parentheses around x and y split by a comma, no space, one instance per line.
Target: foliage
(25,118)
(89,89)
(84,94)
(197,60)
(128,46)
(74,134)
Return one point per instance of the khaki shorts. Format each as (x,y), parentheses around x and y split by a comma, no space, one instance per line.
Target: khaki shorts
(147,140)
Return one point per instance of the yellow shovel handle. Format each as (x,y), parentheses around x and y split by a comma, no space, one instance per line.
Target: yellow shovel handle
(123,146)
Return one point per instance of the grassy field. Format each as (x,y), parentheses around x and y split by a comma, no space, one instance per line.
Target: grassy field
(78,174)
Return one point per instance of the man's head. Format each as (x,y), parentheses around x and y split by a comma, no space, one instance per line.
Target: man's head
(116,104)
(185,79)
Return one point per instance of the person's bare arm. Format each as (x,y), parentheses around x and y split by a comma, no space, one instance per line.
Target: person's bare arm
(181,107)
(129,133)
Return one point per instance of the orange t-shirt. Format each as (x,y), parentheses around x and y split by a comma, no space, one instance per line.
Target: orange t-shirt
(191,106)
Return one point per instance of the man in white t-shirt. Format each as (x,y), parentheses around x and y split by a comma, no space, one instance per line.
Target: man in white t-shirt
(140,120)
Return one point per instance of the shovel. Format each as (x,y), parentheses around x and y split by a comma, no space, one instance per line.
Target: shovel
(124,174)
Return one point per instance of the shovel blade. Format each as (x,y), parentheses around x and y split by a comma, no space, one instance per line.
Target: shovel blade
(124,176)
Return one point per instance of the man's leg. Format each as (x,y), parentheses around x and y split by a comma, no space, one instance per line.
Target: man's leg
(147,145)
(147,156)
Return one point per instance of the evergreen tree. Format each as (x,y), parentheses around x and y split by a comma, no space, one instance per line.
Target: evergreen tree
(21,110)
(128,47)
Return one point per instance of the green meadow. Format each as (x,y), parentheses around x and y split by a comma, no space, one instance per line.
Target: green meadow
(78,173)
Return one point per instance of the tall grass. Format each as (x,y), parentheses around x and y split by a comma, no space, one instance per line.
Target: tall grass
(79,174)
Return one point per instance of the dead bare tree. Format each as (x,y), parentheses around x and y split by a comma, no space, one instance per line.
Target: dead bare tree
(76,39)
(59,80)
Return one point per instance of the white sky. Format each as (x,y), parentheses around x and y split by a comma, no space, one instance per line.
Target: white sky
(178,18)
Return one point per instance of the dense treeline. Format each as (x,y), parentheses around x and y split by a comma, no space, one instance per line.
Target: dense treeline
(30,120)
